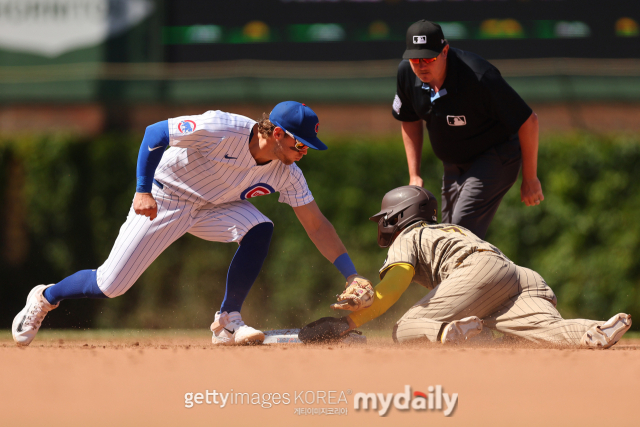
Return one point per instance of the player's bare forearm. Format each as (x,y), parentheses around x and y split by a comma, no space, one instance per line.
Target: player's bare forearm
(528,135)
(320,231)
(145,204)
(531,189)
(327,241)
(412,136)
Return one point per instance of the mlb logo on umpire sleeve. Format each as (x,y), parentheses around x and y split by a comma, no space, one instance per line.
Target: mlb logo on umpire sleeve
(419,39)
(456,120)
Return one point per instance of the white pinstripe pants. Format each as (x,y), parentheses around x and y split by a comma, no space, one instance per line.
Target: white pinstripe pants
(141,241)
(511,299)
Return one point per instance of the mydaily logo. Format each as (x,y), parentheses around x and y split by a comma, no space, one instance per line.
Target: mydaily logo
(329,402)
(417,401)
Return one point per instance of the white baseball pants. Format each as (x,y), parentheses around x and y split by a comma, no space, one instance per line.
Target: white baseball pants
(141,241)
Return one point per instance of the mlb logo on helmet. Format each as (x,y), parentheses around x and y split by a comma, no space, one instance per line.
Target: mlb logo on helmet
(259,189)
(187,126)
(419,39)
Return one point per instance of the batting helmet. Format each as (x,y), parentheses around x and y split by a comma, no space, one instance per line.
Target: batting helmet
(402,207)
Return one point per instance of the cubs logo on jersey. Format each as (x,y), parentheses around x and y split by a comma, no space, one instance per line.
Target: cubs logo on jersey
(260,189)
(187,126)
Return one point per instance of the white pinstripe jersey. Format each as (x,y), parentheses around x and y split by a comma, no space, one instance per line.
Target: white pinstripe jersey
(209,162)
(434,250)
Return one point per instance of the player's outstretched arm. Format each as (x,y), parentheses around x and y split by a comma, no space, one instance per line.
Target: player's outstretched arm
(324,236)
(530,190)
(320,231)
(387,293)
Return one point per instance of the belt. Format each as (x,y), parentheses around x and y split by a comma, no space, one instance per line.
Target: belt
(158,184)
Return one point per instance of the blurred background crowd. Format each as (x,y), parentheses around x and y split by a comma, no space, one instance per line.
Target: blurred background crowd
(81,79)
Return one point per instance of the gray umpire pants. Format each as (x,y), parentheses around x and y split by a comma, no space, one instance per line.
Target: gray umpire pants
(472,192)
(511,299)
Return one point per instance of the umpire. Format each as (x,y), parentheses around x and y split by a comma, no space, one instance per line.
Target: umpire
(478,126)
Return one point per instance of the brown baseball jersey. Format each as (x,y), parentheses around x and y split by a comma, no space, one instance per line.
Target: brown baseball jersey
(434,250)
(470,277)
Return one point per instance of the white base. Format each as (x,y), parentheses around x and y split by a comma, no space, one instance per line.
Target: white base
(290,336)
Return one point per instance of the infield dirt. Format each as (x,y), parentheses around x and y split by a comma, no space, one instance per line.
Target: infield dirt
(141,379)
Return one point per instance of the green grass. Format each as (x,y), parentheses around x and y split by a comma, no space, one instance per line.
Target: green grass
(631,335)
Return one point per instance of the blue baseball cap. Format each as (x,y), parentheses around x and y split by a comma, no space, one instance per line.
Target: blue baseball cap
(300,121)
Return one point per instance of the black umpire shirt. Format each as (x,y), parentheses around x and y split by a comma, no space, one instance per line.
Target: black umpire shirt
(474,110)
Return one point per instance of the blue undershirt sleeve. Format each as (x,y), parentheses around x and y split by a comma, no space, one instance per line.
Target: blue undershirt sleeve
(344,264)
(155,141)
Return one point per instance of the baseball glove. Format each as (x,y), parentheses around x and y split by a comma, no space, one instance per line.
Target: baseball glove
(324,330)
(357,295)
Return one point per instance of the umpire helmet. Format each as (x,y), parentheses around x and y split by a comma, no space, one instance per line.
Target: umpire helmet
(402,207)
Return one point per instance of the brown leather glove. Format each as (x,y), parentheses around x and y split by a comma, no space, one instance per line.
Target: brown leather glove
(358,295)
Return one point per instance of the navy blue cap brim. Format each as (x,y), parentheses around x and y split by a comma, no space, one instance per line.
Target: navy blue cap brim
(313,143)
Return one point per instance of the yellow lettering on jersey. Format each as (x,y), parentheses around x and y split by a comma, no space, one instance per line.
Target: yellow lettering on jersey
(452,229)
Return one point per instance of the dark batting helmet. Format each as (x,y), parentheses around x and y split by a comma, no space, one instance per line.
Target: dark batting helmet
(402,207)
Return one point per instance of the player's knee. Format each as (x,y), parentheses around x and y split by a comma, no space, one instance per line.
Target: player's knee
(113,294)
(406,332)
(265,228)
(544,291)
(258,237)
(112,288)
(399,334)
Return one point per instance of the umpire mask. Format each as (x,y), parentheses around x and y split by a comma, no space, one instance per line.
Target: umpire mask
(402,207)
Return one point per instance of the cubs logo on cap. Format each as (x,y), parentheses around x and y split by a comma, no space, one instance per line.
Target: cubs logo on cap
(259,189)
(187,126)
(299,120)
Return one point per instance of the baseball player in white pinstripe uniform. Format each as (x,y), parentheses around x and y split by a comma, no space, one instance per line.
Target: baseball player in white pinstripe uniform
(471,284)
(201,185)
